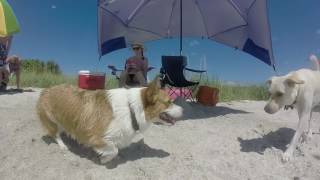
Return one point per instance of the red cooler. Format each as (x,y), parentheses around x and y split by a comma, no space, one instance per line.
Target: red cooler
(91,80)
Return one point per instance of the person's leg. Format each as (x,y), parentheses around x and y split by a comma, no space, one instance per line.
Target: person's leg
(17,73)
(1,71)
(7,74)
(123,79)
(139,77)
(4,74)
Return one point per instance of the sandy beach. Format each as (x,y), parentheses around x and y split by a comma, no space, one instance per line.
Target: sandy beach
(235,140)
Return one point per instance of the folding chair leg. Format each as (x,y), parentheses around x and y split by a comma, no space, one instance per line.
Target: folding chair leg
(182,93)
(172,91)
(187,94)
(193,88)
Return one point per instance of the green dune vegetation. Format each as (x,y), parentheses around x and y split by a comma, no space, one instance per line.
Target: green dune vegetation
(40,74)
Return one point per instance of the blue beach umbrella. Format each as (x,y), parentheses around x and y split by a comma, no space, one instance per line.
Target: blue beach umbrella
(241,24)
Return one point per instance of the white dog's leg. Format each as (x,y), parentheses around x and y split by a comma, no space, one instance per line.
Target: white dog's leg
(307,136)
(309,132)
(304,116)
(107,152)
(287,155)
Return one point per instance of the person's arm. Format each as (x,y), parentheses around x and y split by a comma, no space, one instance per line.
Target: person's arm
(145,67)
(8,44)
(125,65)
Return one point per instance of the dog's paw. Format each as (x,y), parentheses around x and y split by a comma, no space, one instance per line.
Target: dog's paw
(286,157)
(63,147)
(306,137)
(61,144)
(106,159)
(309,135)
(287,107)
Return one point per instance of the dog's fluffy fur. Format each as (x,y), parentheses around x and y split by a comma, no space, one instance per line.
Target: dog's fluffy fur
(103,119)
(298,89)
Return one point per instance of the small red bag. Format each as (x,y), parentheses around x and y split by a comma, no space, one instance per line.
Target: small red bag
(208,96)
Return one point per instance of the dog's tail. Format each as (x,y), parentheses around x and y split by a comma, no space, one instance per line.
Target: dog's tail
(315,62)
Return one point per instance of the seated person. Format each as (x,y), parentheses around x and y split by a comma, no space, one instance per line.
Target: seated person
(136,68)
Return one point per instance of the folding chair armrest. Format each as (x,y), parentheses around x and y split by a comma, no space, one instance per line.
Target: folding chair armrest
(162,71)
(113,68)
(194,70)
(150,68)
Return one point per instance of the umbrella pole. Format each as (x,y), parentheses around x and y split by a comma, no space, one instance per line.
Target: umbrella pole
(180,27)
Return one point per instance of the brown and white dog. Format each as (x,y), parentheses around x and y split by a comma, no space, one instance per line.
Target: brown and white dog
(106,120)
(301,90)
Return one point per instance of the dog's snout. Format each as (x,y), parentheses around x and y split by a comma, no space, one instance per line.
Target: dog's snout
(267,109)
(271,108)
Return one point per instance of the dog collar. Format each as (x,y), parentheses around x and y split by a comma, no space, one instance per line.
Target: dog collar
(298,93)
(134,121)
(294,102)
(292,105)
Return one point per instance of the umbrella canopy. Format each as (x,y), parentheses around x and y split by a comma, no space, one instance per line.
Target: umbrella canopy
(241,24)
(8,21)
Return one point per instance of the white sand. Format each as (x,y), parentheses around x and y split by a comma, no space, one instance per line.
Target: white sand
(232,141)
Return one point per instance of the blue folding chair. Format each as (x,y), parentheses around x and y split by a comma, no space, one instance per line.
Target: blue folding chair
(172,73)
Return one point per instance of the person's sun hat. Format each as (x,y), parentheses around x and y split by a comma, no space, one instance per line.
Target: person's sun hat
(137,45)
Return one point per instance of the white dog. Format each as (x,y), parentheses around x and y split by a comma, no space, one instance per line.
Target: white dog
(301,90)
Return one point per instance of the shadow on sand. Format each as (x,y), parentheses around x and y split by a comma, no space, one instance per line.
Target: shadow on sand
(278,139)
(134,152)
(194,111)
(15,91)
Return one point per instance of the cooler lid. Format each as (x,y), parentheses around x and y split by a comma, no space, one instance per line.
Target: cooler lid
(87,72)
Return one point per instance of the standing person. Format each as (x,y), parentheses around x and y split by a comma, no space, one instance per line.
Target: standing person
(13,68)
(136,68)
(5,43)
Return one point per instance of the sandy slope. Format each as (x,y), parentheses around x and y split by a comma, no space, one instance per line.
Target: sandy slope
(232,141)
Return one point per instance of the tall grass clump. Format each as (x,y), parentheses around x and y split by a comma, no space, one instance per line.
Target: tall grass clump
(37,73)
(233,92)
(43,80)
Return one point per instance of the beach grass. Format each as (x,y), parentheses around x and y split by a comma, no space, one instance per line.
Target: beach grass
(42,80)
(227,92)
(232,92)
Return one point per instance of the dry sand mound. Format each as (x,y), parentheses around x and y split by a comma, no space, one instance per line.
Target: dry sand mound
(232,141)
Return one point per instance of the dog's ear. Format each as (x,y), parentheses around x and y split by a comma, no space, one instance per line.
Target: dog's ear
(293,80)
(313,57)
(268,82)
(156,83)
(315,62)
(153,89)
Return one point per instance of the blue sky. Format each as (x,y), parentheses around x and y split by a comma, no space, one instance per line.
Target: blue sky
(66,32)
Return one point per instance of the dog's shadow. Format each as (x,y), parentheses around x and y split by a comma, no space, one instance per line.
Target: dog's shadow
(278,139)
(134,152)
(195,111)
